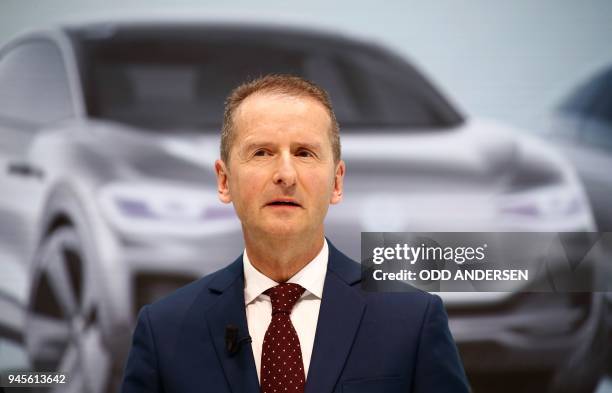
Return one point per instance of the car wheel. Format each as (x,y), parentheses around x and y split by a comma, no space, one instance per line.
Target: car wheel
(62,329)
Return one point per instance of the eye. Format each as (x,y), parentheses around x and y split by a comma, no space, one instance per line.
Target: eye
(304,153)
(261,153)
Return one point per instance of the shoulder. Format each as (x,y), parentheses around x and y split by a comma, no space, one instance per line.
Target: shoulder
(202,292)
(408,318)
(404,300)
(406,306)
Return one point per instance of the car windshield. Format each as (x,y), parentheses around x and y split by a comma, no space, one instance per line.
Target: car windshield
(180,79)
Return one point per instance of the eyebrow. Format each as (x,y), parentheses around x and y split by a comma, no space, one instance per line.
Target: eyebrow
(253,145)
(311,146)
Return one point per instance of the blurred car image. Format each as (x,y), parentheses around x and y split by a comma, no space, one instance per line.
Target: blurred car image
(582,127)
(108,135)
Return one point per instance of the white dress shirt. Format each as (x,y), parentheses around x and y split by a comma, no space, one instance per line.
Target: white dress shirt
(305,313)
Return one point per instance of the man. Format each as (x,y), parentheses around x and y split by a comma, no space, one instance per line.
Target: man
(299,299)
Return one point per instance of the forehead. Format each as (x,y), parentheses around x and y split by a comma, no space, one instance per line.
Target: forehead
(269,111)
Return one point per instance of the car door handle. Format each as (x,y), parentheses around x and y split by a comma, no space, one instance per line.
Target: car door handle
(24,169)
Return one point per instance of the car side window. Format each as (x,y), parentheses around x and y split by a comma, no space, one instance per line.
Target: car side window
(597,130)
(34,86)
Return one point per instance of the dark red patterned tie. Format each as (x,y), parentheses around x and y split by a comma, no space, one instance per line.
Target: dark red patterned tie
(282,368)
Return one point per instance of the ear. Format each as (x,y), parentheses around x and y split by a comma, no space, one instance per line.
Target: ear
(338,190)
(222,181)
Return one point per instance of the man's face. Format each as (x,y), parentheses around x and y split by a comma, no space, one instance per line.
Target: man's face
(281,174)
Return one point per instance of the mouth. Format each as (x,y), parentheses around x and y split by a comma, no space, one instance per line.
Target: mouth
(283,203)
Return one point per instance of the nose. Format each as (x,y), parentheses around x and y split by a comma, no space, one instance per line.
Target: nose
(285,174)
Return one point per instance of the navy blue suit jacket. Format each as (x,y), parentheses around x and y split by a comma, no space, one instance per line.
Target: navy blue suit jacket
(365,341)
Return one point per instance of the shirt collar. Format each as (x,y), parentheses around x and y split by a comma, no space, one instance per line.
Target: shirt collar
(311,277)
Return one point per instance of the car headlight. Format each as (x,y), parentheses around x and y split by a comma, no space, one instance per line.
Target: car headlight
(152,208)
(564,205)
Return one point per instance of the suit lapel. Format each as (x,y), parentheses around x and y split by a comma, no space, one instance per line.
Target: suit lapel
(339,317)
(229,309)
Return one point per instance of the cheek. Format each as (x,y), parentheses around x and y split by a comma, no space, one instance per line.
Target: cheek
(321,186)
(246,187)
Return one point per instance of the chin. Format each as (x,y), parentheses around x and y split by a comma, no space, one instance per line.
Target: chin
(283,228)
(285,231)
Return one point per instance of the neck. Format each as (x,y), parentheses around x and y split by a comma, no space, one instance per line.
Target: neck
(281,258)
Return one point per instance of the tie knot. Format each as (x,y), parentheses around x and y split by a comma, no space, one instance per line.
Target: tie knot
(284,296)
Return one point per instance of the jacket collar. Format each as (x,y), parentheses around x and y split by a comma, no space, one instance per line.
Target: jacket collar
(342,308)
(229,309)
